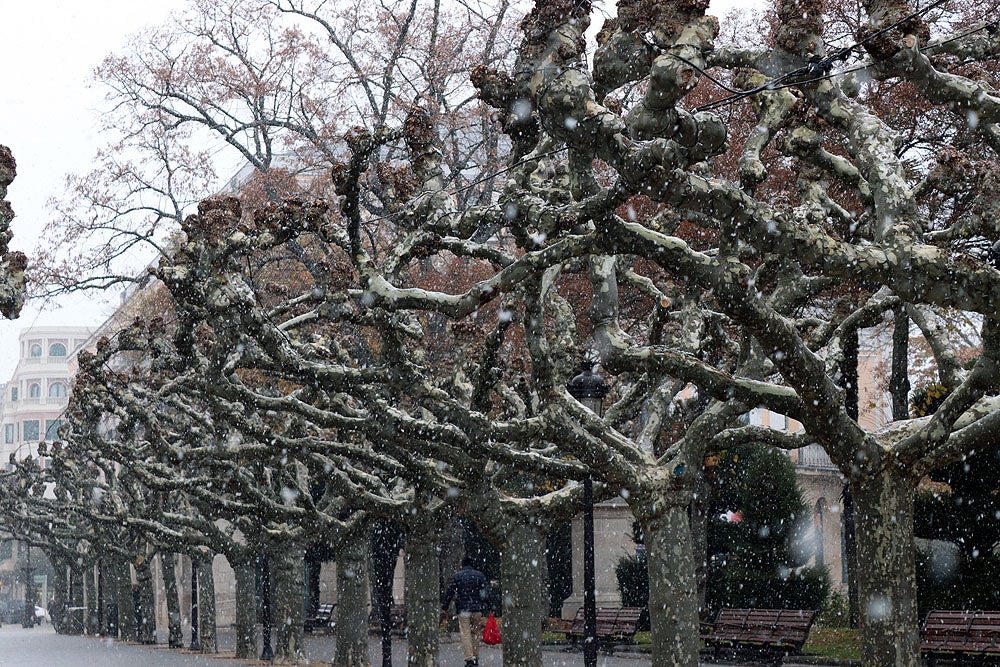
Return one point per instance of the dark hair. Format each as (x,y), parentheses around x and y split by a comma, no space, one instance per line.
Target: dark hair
(468,562)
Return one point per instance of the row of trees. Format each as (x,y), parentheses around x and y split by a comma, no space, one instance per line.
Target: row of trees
(394,342)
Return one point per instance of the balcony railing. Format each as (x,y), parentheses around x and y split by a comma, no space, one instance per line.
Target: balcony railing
(813,456)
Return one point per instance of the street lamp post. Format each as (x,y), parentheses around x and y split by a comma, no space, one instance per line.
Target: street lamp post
(590,389)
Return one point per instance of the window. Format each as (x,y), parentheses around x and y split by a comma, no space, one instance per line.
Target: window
(13,393)
(34,390)
(57,350)
(8,433)
(57,390)
(52,428)
(30,429)
(36,350)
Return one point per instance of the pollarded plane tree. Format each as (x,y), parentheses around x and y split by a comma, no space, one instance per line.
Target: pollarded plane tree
(242,457)
(349,380)
(266,479)
(56,508)
(12,264)
(448,414)
(658,149)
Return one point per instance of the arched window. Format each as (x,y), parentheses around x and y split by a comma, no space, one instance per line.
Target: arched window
(36,350)
(57,390)
(57,350)
(34,390)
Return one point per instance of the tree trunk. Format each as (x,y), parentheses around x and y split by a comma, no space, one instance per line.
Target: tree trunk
(168,564)
(147,602)
(109,593)
(246,609)
(74,618)
(93,609)
(423,591)
(886,572)
(524,599)
(352,603)
(700,507)
(289,586)
(57,610)
(673,604)
(122,575)
(206,607)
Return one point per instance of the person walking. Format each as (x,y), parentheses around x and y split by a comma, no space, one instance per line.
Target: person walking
(470,591)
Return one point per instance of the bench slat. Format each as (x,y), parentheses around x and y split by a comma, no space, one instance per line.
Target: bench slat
(961,632)
(773,629)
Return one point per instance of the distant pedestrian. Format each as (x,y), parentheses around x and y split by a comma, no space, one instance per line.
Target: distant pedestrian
(470,590)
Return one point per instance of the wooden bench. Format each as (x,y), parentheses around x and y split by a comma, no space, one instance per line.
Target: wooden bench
(960,635)
(777,632)
(614,625)
(322,619)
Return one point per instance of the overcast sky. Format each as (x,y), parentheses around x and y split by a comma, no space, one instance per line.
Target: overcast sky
(49,116)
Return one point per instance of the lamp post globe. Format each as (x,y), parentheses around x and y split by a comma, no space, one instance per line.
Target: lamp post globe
(589,387)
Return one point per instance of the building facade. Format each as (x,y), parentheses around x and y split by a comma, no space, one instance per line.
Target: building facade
(36,395)
(32,403)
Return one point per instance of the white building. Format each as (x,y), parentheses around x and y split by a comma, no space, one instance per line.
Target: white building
(35,397)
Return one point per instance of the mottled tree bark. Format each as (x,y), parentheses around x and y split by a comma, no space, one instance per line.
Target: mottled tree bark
(352,603)
(524,598)
(93,617)
(122,575)
(700,506)
(147,603)
(168,563)
(57,610)
(423,591)
(206,607)
(673,605)
(246,627)
(886,571)
(289,583)
(74,618)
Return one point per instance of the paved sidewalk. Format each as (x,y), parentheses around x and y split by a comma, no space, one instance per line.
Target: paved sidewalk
(42,647)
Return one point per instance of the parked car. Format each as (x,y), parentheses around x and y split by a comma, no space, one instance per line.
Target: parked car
(12,611)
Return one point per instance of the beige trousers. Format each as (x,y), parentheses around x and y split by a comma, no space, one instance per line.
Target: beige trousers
(470,626)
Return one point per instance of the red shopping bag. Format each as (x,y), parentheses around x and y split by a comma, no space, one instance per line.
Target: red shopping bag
(491,633)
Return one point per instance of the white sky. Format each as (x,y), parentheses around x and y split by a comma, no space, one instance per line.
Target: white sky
(49,117)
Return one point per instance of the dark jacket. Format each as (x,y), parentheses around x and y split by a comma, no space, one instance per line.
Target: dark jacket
(469,589)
